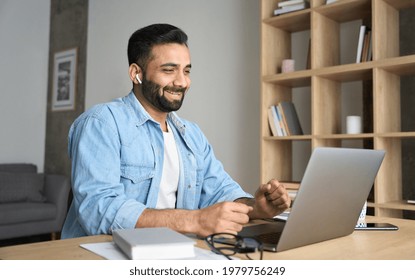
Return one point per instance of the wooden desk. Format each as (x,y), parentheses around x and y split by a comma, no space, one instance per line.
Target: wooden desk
(362,245)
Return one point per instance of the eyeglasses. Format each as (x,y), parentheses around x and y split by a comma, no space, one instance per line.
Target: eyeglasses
(227,245)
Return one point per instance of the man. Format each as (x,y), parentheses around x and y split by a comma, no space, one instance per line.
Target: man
(135,163)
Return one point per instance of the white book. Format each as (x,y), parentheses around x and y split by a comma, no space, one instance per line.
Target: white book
(153,243)
(360,43)
(290,2)
(290,8)
(330,1)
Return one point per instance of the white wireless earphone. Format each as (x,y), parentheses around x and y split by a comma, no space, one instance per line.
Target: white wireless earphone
(138,78)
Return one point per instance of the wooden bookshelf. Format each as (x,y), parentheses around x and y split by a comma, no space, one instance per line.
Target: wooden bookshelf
(324,80)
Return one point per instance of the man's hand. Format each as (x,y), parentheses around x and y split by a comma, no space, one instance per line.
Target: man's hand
(226,217)
(271,199)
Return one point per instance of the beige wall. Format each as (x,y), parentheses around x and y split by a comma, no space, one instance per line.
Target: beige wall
(24,50)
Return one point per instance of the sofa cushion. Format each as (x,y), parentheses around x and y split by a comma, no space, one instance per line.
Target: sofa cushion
(15,187)
(23,212)
(18,167)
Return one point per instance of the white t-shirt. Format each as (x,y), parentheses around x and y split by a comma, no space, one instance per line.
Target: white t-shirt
(170,177)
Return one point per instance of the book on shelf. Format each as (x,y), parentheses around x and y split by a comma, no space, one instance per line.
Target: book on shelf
(292,194)
(369,54)
(153,243)
(291,8)
(364,46)
(308,66)
(330,1)
(289,114)
(275,122)
(290,3)
(283,119)
(278,122)
(291,187)
(360,43)
(367,46)
(411,201)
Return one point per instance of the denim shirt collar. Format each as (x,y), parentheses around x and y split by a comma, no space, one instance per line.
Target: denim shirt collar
(143,116)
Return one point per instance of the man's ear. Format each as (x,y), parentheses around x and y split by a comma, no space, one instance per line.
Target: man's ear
(136,74)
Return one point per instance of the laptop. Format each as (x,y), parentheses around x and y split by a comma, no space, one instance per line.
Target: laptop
(334,188)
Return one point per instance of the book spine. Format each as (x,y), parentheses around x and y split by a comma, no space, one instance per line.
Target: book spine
(330,1)
(283,120)
(291,118)
(288,9)
(123,245)
(369,51)
(272,122)
(360,43)
(290,2)
(277,120)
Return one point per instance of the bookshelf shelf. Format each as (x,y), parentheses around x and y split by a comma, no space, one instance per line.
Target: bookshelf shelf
(291,22)
(293,79)
(400,4)
(396,135)
(397,205)
(404,65)
(345,136)
(323,82)
(344,10)
(293,137)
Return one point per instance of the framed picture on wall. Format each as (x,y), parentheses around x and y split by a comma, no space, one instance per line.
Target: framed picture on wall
(64,80)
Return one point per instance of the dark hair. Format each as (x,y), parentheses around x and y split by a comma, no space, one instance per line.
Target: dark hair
(143,40)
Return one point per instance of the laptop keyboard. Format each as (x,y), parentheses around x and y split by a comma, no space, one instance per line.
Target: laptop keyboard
(270,237)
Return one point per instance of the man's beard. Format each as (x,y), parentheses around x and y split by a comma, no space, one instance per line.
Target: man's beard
(155,95)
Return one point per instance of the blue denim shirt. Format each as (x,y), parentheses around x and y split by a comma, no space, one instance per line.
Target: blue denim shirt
(117,153)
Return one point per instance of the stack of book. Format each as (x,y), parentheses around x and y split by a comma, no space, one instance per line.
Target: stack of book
(364,46)
(290,6)
(283,119)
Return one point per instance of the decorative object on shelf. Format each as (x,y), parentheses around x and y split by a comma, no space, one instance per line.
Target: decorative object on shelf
(353,124)
(64,80)
(288,65)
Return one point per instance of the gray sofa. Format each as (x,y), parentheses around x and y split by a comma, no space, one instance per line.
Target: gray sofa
(31,203)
